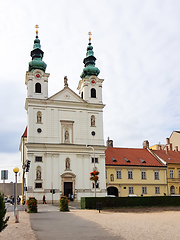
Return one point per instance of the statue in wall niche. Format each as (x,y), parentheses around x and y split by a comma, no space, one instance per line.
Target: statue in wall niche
(67,164)
(39,117)
(112,177)
(92,121)
(38,174)
(66,136)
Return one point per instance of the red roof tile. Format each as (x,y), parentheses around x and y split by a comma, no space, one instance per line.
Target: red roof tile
(136,157)
(171,157)
(25,133)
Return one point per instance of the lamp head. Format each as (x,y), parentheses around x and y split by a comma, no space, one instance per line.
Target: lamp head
(16,170)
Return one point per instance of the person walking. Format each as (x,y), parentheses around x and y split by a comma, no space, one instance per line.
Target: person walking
(44,199)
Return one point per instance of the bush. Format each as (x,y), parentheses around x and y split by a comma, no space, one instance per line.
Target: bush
(3,221)
(108,202)
(64,204)
(32,205)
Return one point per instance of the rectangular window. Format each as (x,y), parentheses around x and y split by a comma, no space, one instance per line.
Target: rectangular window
(97,185)
(131,190)
(143,175)
(171,173)
(38,185)
(38,159)
(157,190)
(130,175)
(106,174)
(156,175)
(96,160)
(118,174)
(144,190)
(179,174)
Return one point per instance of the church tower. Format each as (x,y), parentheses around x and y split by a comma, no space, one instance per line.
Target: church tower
(36,78)
(90,87)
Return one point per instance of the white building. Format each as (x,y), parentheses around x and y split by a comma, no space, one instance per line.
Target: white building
(59,128)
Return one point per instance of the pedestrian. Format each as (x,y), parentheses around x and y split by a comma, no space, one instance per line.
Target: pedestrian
(18,200)
(44,199)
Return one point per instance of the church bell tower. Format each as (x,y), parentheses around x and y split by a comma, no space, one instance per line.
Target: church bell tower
(90,87)
(36,78)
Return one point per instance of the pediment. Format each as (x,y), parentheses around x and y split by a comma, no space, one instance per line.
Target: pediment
(66,94)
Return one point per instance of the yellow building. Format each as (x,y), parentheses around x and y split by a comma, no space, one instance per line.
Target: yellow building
(134,172)
(172,158)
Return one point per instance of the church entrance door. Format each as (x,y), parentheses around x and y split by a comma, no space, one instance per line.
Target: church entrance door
(68,189)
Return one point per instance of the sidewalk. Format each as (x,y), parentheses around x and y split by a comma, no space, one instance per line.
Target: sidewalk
(50,223)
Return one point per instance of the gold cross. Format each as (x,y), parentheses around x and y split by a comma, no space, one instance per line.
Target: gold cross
(89,33)
(36,28)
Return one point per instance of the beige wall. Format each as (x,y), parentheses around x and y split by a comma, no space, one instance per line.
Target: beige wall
(137,183)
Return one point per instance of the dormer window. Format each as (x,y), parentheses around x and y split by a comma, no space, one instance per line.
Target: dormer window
(127,160)
(113,159)
(93,93)
(143,161)
(38,88)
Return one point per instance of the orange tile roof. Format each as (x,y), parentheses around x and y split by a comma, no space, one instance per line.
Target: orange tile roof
(171,157)
(25,133)
(135,157)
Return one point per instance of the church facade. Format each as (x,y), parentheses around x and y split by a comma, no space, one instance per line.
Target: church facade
(64,141)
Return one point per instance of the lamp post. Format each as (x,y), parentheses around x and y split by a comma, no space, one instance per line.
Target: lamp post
(94,166)
(16,170)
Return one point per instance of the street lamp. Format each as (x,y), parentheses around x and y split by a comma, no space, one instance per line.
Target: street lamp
(94,166)
(16,170)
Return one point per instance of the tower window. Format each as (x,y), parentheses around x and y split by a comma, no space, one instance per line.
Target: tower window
(38,88)
(93,92)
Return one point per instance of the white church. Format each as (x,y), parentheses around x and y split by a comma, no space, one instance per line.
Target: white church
(63,139)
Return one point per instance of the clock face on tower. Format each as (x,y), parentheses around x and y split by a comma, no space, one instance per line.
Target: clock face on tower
(37,75)
(93,82)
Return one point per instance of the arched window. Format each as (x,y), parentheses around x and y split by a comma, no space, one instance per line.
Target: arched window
(92,121)
(38,173)
(172,190)
(38,88)
(93,92)
(39,117)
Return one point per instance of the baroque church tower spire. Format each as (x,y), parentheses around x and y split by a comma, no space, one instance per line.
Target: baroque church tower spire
(36,78)
(90,87)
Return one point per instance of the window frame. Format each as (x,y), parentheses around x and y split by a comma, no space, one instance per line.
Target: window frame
(157,190)
(96,160)
(131,190)
(171,173)
(130,174)
(38,157)
(118,174)
(143,175)
(156,175)
(144,190)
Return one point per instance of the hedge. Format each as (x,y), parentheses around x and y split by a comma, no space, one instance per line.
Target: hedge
(115,202)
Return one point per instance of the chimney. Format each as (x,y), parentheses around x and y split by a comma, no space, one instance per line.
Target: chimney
(167,140)
(170,146)
(176,148)
(146,144)
(109,143)
(159,147)
(166,149)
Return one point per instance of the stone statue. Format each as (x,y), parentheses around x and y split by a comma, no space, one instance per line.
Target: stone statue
(66,136)
(67,164)
(65,81)
(38,174)
(38,117)
(92,121)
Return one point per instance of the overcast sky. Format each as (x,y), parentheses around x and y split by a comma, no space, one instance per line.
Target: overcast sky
(137,46)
